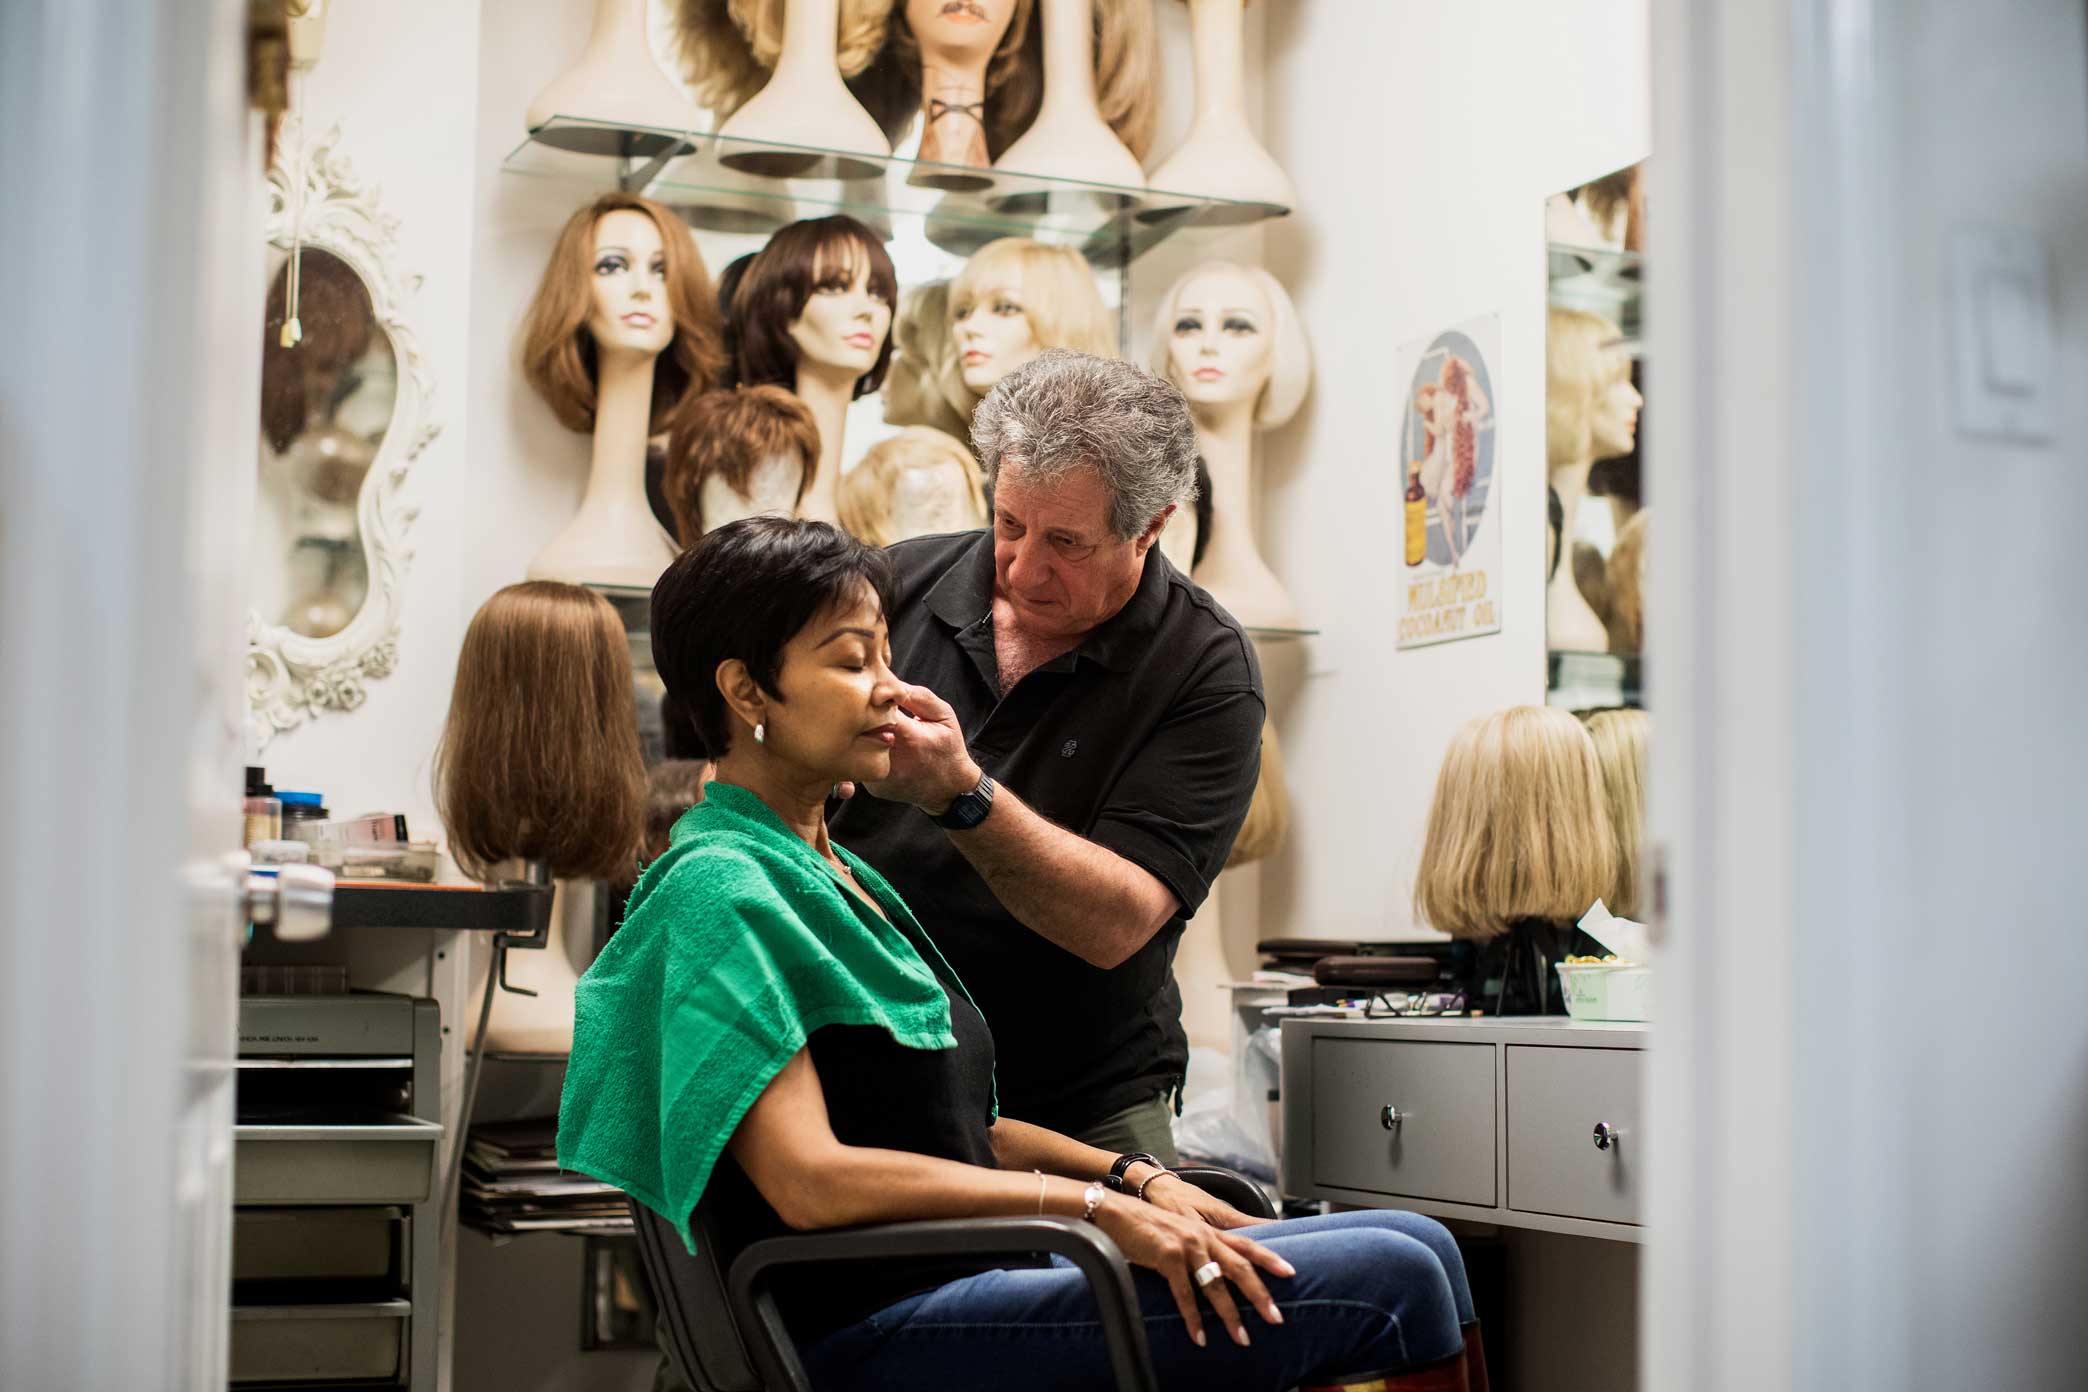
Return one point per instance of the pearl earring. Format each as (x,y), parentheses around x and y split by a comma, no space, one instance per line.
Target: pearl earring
(760,733)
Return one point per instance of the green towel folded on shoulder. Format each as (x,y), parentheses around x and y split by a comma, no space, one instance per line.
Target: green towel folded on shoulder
(738,943)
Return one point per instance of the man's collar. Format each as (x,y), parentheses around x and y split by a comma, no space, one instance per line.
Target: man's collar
(964,596)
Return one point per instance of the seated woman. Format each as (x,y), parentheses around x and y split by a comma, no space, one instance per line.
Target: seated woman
(773,1031)
(1519,846)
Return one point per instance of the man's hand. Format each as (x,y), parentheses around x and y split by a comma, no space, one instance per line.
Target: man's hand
(931,767)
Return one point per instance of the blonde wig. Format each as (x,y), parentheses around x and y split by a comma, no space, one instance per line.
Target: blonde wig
(1626,618)
(558,352)
(1268,815)
(1290,355)
(1620,737)
(729,48)
(1582,360)
(539,758)
(1519,827)
(1058,292)
(728,435)
(918,387)
(864,500)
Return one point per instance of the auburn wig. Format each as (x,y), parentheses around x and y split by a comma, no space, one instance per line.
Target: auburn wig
(539,758)
(558,351)
(728,435)
(798,260)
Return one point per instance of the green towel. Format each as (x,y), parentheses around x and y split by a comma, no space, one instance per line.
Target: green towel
(738,943)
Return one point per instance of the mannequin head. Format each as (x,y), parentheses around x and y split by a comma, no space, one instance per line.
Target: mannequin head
(1519,827)
(742,452)
(620,262)
(968,32)
(917,483)
(922,387)
(1620,738)
(820,294)
(1014,299)
(536,768)
(1590,407)
(1228,333)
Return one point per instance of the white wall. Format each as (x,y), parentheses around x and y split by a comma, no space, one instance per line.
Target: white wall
(1423,140)
(401,77)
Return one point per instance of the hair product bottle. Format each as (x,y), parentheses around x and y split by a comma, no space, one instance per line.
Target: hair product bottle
(1416,516)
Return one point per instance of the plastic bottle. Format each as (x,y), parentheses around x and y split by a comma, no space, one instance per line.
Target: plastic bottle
(264,811)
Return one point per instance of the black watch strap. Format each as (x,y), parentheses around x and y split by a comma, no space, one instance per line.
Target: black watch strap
(967,810)
(1125,1162)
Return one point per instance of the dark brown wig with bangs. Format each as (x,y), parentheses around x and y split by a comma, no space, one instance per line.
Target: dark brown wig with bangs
(798,260)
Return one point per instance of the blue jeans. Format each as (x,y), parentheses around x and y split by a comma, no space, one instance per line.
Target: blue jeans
(1376,1291)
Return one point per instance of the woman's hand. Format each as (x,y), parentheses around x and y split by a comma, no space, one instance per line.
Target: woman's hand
(1177,1195)
(1178,1245)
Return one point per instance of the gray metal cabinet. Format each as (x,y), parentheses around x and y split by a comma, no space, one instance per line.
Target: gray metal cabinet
(1494,1120)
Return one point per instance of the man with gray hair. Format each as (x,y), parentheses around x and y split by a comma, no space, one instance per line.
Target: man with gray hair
(1087,736)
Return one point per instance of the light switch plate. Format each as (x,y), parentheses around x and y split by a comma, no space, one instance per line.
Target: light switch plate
(2001,335)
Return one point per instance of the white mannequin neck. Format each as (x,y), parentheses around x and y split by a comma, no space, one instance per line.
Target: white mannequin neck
(614,539)
(826,392)
(1570,622)
(1233,569)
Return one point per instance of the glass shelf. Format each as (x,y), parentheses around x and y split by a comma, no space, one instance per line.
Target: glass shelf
(1280,634)
(1581,681)
(1600,279)
(728,184)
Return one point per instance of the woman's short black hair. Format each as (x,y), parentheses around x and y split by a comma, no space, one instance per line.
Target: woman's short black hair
(744,591)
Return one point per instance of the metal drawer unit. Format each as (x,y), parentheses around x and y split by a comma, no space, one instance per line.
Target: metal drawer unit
(336,1251)
(1526,1123)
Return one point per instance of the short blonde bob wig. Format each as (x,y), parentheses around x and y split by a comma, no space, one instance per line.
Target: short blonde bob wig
(1582,360)
(864,499)
(1519,827)
(1620,738)
(1057,290)
(1290,355)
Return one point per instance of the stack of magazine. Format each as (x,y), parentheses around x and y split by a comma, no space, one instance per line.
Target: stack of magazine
(512,1185)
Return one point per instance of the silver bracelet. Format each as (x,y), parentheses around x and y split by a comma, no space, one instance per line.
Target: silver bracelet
(1040,1191)
(1093,1199)
(1148,1183)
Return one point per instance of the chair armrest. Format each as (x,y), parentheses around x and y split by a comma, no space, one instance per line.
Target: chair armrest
(1234,1188)
(1083,1244)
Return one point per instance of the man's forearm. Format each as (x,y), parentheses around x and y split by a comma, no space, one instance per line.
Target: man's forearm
(1088,900)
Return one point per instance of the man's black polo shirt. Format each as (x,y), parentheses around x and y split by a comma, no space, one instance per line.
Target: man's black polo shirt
(1146,740)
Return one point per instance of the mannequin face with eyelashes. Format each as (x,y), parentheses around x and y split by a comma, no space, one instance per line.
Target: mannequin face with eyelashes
(994,336)
(961,31)
(629,278)
(844,322)
(772,491)
(1616,418)
(1220,341)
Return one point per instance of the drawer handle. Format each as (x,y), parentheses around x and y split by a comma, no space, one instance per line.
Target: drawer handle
(1607,1136)
(1390,1117)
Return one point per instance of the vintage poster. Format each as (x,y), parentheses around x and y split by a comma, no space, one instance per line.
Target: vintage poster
(1450,579)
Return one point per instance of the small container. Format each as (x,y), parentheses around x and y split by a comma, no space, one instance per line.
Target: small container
(284,852)
(264,811)
(1606,990)
(302,815)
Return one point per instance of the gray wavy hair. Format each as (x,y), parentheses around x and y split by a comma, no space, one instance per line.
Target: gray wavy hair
(1066,410)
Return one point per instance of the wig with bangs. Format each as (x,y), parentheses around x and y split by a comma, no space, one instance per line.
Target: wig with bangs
(865,496)
(728,435)
(1290,355)
(539,757)
(1058,293)
(1620,737)
(778,283)
(1519,828)
(1582,360)
(558,351)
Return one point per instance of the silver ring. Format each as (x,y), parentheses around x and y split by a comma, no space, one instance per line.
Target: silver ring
(1207,1273)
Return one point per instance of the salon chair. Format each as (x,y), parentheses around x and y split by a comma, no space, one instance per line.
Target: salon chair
(725,1334)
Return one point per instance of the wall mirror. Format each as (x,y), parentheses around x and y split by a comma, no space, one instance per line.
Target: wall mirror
(345,398)
(1595,542)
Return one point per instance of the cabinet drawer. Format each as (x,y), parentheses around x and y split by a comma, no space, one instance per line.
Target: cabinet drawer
(1442,1145)
(1556,1099)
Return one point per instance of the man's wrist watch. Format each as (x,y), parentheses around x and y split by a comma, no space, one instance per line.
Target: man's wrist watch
(967,810)
(1124,1163)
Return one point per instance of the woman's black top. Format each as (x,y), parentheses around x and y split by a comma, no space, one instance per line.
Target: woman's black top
(1511,973)
(883,1096)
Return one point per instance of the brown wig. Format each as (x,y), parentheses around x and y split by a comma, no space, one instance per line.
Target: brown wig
(558,352)
(728,434)
(672,787)
(539,758)
(333,310)
(799,259)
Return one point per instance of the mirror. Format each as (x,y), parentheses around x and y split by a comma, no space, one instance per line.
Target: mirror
(344,407)
(1596,536)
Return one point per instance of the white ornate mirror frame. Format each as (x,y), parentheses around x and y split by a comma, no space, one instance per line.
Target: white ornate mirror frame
(315,198)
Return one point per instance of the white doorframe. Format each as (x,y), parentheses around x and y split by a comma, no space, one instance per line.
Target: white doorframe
(128,385)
